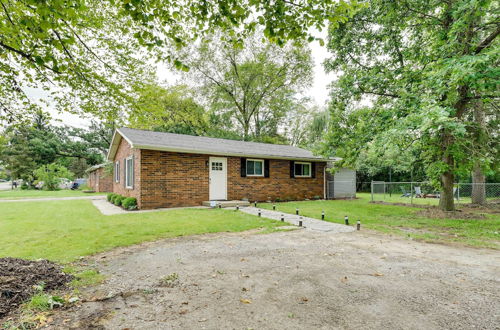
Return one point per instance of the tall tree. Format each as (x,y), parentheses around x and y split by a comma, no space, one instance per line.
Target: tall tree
(252,84)
(168,109)
(420,65)
(40,143)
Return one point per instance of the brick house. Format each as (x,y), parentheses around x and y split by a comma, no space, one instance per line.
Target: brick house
(98,179)
(172,170)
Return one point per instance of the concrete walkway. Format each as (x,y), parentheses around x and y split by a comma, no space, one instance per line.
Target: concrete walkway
(107,208)
(94,197)
(308,223)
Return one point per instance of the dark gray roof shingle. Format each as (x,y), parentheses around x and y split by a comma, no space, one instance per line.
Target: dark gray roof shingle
(206,145)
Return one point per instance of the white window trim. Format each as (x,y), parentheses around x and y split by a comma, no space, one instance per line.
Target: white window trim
(126,173)
(117,171)
(303,176)
(255,160)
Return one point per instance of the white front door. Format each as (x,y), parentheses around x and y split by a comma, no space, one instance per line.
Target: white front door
(218,178)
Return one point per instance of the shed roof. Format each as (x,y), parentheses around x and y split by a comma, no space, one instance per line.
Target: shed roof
(142,139)
(95,167)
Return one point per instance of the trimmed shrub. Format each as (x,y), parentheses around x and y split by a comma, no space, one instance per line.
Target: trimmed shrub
(129,203)
(118,200)
(110,196)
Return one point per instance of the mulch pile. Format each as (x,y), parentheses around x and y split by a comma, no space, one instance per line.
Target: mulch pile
(18,278)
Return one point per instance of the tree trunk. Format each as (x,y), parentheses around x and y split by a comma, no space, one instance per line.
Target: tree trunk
(446,202)
(246,128)
(478,178)
(478,185)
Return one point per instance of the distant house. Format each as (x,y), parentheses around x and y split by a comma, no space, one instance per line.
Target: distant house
(171,170)
(99,180)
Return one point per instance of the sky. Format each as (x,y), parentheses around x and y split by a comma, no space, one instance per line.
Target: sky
(318,91)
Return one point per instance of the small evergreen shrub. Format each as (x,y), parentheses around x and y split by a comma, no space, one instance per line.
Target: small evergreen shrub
(110,196)
(118,200)
(129,203)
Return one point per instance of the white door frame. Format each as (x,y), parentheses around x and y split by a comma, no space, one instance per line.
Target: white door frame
(217,178)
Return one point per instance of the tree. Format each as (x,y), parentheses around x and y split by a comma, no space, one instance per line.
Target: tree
(410,73)
(81,55)
(40,143)
(168,109)
(51,175)
(88,53)
(253,85)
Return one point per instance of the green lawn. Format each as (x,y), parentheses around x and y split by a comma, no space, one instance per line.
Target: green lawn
(401,220)
(20,194)
(64,230)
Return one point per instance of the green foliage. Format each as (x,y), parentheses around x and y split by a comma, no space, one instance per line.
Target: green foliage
(129,203)
(110,196)
(117,200)
(92,51)
(51,175)
(82,51)
(168,109)
(410,75)
(38,143)
(250,90)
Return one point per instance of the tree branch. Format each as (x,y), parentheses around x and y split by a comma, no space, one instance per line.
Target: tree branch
(486,42)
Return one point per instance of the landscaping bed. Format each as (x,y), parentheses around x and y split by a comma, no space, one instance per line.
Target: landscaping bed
(19,279)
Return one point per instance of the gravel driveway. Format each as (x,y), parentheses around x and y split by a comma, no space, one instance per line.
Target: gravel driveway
(292,280)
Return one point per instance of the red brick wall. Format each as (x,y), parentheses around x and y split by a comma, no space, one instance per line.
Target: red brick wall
(100,181)
(172,179)
(278,185)
(122,153)
(92,182)
(169,179)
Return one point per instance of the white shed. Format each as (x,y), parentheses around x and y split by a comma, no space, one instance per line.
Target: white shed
(342,184)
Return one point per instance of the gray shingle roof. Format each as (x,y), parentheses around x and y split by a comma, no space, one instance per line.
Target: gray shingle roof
(205,145)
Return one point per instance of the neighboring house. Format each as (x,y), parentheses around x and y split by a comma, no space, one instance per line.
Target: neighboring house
(99,180)
(171,170)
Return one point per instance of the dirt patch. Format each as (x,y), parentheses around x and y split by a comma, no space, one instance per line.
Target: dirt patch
(18,278)
(423,206)
(435,213)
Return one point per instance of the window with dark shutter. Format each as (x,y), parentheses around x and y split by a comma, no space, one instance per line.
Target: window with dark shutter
(302,169)
(292,169)
(313,170)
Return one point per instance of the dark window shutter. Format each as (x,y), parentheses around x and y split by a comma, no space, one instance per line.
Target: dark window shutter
(266,168)
(313,170)
(243,167)
(292,169)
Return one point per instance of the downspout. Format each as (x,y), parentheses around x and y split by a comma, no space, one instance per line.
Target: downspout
(324,181)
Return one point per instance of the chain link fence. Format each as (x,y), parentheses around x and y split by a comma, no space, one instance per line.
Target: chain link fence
(425,193)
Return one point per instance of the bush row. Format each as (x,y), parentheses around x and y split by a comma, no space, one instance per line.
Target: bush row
(128,203)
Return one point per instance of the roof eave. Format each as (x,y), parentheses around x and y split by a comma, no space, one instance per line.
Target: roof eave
(115,142)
